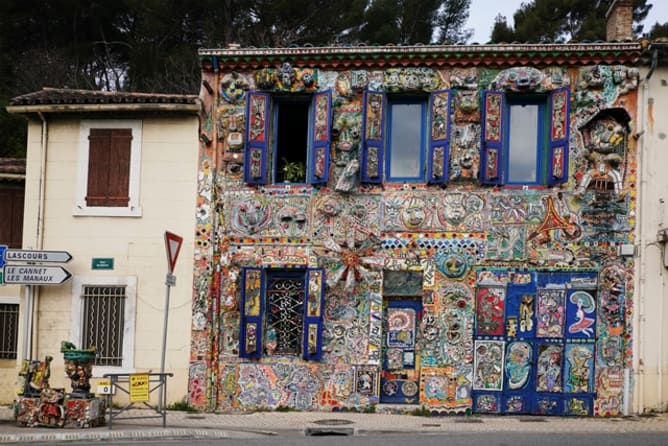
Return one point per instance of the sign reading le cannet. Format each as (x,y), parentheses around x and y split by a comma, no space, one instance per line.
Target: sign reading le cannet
(35,274)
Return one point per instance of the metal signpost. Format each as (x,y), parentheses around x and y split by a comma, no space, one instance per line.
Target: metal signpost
(173,246)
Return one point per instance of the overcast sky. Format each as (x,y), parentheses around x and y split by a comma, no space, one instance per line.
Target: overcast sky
(483,12)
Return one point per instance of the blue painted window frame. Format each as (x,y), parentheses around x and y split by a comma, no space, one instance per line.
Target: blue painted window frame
(553,149)
(260,319)
(261,156)
(541,136)
(406,100)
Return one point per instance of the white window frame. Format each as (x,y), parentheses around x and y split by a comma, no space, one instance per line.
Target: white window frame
(133,209)
(76,322)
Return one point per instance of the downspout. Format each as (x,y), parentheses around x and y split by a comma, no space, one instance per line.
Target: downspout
(39,235)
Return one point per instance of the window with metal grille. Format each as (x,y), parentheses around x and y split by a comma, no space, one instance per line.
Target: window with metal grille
(103,322)
(285,311)
(9,330)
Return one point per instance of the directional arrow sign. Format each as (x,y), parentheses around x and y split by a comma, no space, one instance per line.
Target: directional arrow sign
(35,274)
(25,255)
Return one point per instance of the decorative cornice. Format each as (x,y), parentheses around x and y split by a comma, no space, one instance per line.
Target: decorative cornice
(498,55)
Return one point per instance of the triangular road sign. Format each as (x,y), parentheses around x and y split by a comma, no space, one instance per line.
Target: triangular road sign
(173,244)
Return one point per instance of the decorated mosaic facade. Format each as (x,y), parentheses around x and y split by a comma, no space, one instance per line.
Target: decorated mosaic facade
(458,291)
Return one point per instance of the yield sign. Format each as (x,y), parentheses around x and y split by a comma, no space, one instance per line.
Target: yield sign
(173,244)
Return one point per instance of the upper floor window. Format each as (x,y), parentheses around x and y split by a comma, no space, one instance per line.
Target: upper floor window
(406,138)
(11,215)
(525,138)
(109,156)
(288,138)
(282,312)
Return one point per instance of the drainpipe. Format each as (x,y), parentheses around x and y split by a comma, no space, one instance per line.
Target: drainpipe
(32,292)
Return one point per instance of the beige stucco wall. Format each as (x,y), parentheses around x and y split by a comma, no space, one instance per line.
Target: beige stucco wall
(651,317)
(9,368)
(168,187)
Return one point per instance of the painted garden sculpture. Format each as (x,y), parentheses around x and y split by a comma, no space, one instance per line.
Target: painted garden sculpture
(78,368)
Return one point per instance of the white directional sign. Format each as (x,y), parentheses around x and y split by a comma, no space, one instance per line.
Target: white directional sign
(26,255)
(35,274)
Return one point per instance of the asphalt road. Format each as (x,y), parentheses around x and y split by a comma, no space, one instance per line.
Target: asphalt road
(449,439)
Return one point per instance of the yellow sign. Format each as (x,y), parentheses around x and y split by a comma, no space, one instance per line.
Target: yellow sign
(104,387)
(139,387)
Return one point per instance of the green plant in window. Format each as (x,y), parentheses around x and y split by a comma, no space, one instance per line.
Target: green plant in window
(293,171)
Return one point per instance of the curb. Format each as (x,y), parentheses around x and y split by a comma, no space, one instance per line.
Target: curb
(112,435)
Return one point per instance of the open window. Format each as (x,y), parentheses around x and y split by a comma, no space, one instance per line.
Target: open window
(288,138)
(525,138)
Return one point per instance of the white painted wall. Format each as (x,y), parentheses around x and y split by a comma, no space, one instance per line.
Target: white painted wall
(167,196)
(651,308)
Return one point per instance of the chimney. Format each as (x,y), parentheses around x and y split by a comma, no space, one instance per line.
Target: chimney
(619,20)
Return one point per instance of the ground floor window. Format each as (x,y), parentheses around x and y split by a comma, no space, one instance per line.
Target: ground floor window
(282,312)
(103,322)
(9,330)
(103,316)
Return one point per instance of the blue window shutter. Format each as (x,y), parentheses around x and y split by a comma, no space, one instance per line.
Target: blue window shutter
(492,156)
(320,137)
(252,313)
(373,136)
(313,313)
(440,103)
(257,138)
(559,132)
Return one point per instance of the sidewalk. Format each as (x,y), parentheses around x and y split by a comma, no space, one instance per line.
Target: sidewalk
(257,424)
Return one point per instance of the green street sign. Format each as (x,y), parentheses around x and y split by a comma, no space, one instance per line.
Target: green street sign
(102,263)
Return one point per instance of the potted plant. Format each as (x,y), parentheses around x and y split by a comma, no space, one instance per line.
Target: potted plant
(293,171)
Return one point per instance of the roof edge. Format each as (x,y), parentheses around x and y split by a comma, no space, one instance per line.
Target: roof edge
(233,50)
(79,108)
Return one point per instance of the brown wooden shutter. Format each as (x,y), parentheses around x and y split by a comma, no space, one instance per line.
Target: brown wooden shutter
(11,216)
(109,167)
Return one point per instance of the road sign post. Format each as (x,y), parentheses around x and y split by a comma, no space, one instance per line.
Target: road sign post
(173,244)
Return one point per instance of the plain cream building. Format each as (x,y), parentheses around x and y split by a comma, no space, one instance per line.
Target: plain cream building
(113,231)
(651,320)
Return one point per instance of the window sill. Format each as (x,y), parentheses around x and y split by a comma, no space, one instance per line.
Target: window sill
(99,371)
(523,186)
(102,211)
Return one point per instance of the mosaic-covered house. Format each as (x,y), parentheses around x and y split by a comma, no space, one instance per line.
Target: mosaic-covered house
(443,226)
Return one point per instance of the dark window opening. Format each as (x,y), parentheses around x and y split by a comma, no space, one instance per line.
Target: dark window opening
(292,141)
